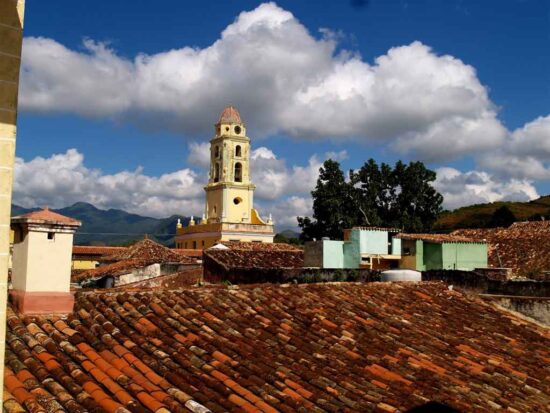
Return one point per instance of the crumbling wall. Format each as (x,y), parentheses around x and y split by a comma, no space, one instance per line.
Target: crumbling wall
(533,307)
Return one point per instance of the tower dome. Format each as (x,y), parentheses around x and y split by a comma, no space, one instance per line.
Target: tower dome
(230,115)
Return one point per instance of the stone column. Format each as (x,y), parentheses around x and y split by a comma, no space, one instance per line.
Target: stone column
(11,34)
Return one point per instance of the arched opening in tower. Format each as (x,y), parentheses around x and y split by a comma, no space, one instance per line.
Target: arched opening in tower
(238,172)
(217,172)
(238,151)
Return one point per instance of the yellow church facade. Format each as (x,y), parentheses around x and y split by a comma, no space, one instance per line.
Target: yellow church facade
(229,211)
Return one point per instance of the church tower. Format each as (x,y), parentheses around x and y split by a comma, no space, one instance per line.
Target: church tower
(229,193)
(229,213)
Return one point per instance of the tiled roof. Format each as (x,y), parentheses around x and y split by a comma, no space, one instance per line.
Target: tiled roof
(524,246)
(47,216)
(441,238)
(151,252)
(230,258)
(188,252)
(230,114)
(113,269)
(260,246)
(388,229)
(185,278)
(345,347)
(96,250)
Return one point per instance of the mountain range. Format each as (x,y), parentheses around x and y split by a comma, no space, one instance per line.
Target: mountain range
(118,227)
(114,226)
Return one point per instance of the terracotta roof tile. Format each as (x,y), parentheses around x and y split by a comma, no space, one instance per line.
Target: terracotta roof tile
(441,238)
(230,114)
(337,347)
(47,216)
(524,247)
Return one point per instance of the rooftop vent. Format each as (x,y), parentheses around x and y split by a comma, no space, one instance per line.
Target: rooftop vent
(401,275)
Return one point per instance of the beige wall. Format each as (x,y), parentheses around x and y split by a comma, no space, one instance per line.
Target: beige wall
(41,264)
(11,31)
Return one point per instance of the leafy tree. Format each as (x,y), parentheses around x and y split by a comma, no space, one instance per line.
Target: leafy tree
(332,205)
(375,195)
(502,217)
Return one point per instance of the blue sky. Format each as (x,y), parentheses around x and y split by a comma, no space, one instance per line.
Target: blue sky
(462,85)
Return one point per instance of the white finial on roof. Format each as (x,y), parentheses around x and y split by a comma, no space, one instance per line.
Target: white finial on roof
(192,220)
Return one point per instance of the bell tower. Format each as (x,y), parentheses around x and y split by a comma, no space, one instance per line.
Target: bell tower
(229,193)
(229,213)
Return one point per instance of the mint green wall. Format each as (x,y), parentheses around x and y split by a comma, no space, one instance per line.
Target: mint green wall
(396,246)
(352,257)
(420,256)
(333,254)
(464,256)
(433,256)
(370,242)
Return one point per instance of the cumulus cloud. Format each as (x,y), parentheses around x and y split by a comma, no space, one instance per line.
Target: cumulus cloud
(525,153)
(474,187)
(283,78)
(63,179)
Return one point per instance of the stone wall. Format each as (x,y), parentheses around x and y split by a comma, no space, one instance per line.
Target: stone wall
(532,307)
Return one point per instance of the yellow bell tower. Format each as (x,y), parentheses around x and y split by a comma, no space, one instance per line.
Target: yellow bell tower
(229,193)
(229,211)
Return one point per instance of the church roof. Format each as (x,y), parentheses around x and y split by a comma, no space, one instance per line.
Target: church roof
(46,216)
(230,115)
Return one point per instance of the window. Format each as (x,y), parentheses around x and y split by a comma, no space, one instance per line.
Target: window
(238,172)
(217,152)
(194,245)
(186,245)
(238,150)
(256,241)
(203,243)
(217,172)
(51,236)
(237,201)
(237,130)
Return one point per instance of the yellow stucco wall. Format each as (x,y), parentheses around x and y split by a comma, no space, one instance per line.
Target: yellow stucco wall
(84,264)
(11,32)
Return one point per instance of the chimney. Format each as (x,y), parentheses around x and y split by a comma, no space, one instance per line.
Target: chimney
(42,255)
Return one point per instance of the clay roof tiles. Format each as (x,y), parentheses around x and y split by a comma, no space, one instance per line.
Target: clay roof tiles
(524,247)
(344,347)
(230,114)
(48,216)
(441,238)
(94,250)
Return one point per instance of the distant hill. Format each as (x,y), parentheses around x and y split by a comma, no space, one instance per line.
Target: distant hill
(479,215)
(114,226)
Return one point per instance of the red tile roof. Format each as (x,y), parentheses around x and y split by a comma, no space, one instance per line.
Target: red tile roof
(47,216)
(188,252)
(113,269)
(150,251)
(260,246)
(524,247)
(440,238)
(256,258)
(230,114)
(345,347)
(96,250)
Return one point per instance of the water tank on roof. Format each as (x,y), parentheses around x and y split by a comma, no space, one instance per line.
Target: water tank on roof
(401,275)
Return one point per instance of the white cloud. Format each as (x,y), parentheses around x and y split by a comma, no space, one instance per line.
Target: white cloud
(63,179)
(282,78)
(199,154)
(525,154)
(474,187)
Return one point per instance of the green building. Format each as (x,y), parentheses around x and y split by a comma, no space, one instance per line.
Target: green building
(423,252)
(386,248)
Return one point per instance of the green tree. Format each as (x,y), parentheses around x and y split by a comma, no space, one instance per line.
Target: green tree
(332,205)
(502,217)
(375,195)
